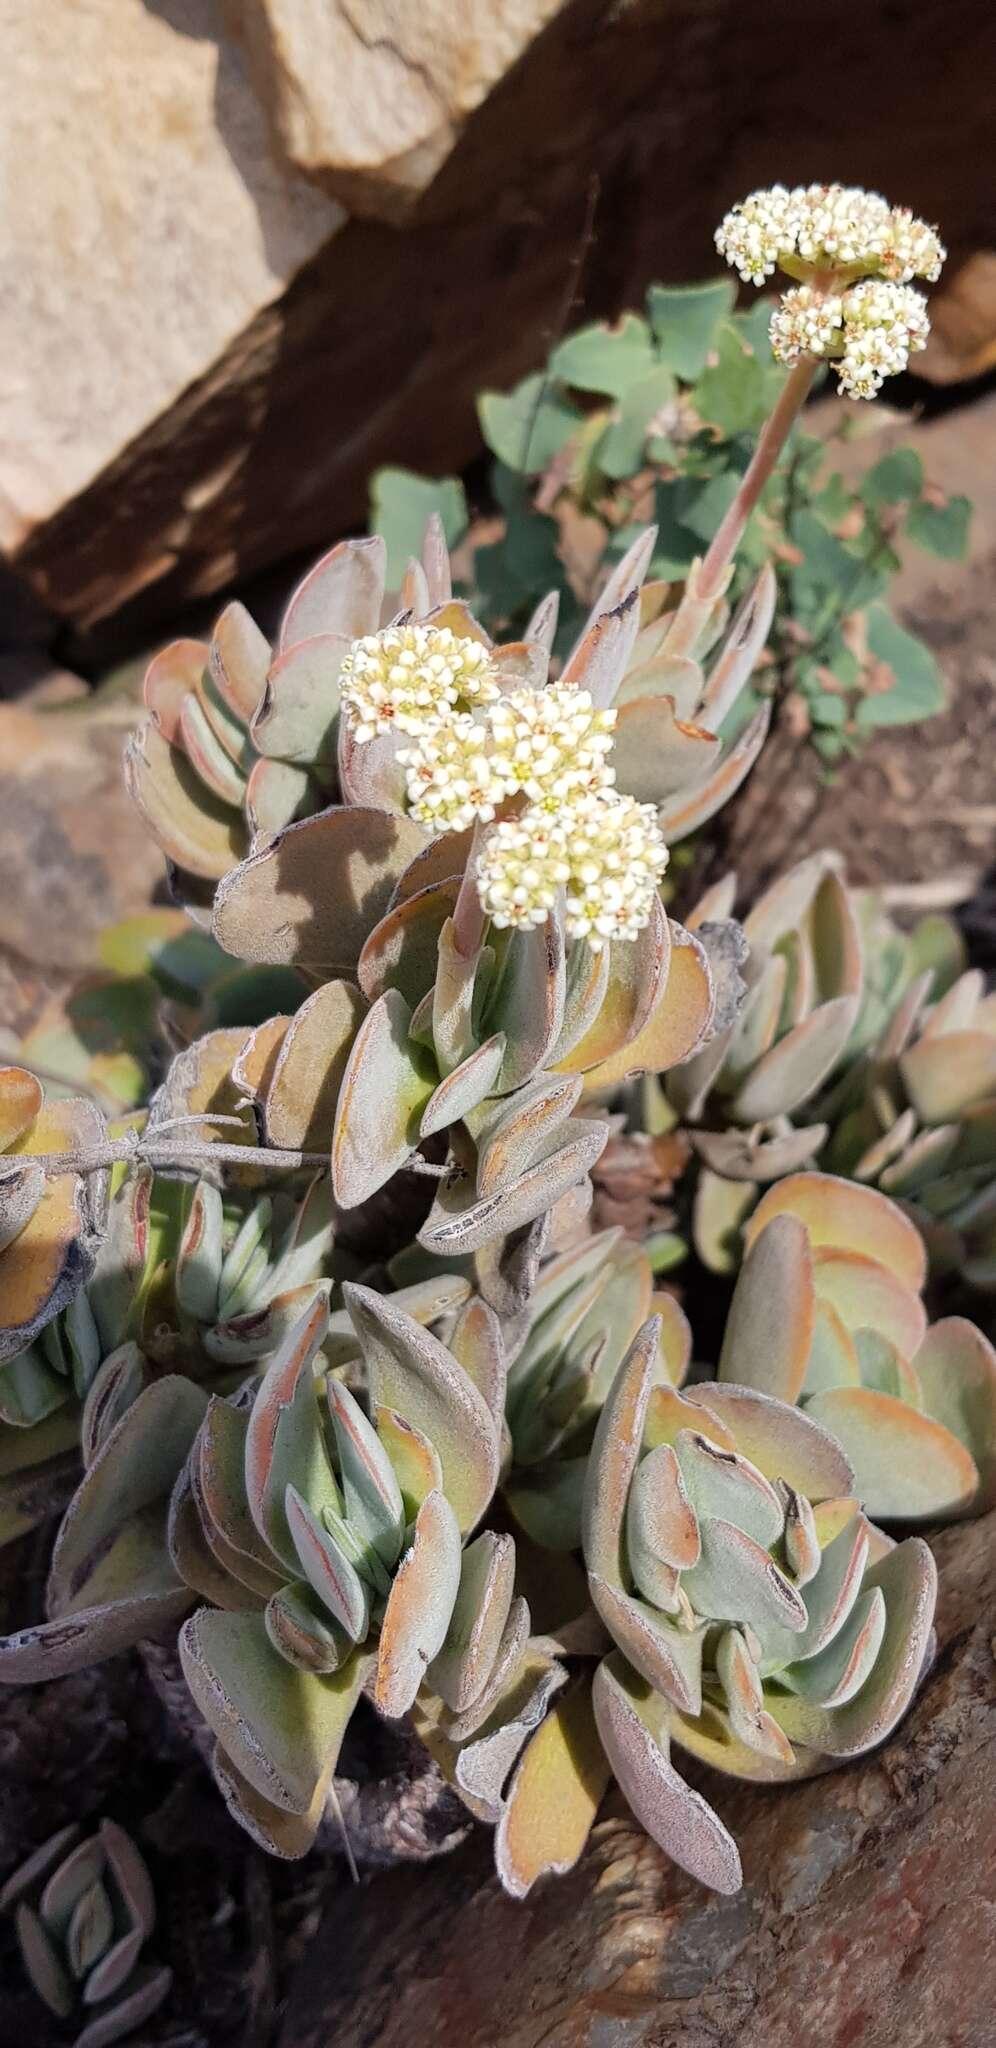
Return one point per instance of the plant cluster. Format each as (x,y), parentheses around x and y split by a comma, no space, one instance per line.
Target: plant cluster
(83,1910)
(365,1405)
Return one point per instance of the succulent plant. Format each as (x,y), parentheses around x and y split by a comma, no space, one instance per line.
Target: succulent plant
(83,1911)
(917,1118)
(460,990)
(860,1046)
(50,1232)
(749,1097)
(827,1312)
(761,1622)
(330,1536)
(49,1225)
(240,737)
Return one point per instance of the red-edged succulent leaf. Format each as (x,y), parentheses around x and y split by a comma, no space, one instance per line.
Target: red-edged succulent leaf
(782,1442)
(906,1466)
(633,1726)
(201,833)
(307,1074)
(685,812)
(679,1022)
(460,1222)
(282,1728)
(386,1085)
(849,1217)
(476,1626)
(638,974)
(283,1440)
(419,1606)
(341,594)
(554,1796)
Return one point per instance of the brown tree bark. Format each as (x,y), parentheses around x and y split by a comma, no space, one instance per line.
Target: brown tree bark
(867,1919)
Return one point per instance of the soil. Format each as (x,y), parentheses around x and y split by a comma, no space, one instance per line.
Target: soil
(916,810)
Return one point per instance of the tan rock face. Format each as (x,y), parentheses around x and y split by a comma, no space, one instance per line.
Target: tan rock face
(144,224)
(74,853)
(369,96)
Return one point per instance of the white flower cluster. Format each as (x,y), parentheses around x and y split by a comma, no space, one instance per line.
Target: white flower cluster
(452,775)
(547,745)
(402,678)
(821,228)
(884,324)
(805,322)
(552,743)
(604,850)
(870,330)
(473,748)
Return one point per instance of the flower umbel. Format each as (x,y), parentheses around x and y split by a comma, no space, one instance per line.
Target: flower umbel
(606,851)
(552,743)
(548,745)
(454,775)
(871,330)
(884,324)
(407,677)
(819,229)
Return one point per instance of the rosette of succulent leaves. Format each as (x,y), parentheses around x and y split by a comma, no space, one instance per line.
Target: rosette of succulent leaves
(83,1909)
(863,1048)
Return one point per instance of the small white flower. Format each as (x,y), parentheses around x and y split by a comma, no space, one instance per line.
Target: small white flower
(604,850)
(755,234)
(836,229)
(404,678)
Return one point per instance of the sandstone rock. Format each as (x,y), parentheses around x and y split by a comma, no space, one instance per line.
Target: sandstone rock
(146,225)
(963,327)
(868,1914)
(205,359)
(369,98)
(74,853)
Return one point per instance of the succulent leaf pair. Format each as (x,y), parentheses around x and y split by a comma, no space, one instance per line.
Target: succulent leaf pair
(83,1911)
(858,1045)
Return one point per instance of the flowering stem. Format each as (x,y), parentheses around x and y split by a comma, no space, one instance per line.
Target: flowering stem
(771,441)
(469,917)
